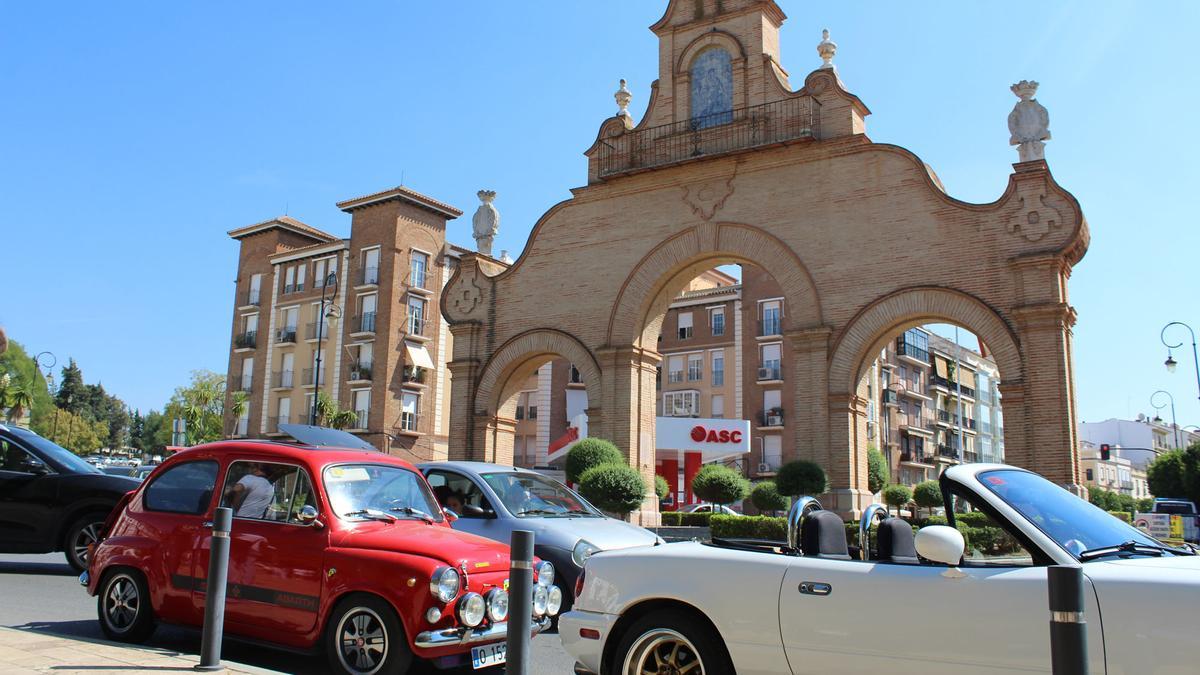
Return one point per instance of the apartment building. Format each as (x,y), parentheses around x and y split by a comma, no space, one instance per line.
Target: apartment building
(939,405)
(357,318)
(1115,474)
(1141,439)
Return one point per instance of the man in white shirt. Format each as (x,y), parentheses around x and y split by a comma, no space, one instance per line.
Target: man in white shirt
(251,496)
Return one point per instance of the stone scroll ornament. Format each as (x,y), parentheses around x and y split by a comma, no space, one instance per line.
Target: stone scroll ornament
(1029,123)
(486,222)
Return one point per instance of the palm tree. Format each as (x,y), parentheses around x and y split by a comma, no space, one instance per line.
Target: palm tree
(330,415)
(19,400)
(237,406)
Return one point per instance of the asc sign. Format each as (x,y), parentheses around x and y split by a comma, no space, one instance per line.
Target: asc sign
(718,436)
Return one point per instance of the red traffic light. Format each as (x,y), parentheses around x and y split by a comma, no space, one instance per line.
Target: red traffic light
(1105,451)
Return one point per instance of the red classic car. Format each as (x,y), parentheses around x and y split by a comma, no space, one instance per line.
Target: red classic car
(331,548)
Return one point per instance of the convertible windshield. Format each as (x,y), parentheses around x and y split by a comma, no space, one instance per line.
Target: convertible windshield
(528,495)
(1075,524)
(379,492)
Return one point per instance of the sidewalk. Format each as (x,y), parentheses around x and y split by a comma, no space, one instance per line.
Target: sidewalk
(25,652)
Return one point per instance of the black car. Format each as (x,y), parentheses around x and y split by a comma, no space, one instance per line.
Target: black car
(51,499)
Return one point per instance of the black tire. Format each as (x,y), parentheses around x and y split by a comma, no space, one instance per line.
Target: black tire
(365,637)
(672,634)
(123,606)
(85,530)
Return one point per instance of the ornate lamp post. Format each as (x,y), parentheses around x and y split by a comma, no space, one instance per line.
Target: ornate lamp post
(330,315)
(1171,363)
(1160,407)
(40,363)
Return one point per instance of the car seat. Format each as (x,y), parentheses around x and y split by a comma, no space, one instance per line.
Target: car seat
(823,535)
(896,542)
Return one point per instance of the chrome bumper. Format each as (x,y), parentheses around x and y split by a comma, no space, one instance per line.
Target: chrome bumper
(465,636)
(83,579)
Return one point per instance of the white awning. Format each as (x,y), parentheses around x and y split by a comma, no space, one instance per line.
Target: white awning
(418,355)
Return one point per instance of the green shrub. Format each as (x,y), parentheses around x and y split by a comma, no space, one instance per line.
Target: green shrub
(719,484)
(588,453)
(1145,505)
(765,497)
(617,488)
(680,519)
(801,477)
(1123,515)
(972,519)
(661,487)
(928,494)
(878,473)
(932,520)
(749,527)
(896,496)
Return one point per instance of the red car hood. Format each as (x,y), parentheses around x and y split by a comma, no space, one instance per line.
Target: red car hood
(432,541)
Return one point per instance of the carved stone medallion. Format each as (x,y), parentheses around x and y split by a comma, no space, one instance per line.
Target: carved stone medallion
(706,198)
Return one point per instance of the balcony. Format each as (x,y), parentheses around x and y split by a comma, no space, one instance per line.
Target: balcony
(951,419)
(244,383)
(289,289)
(307,380)
(370,276)
(364,323)
(951,386)
(911,352)
(282,379)
(251,299)
(418,278)
(770,372)
(362,419)
(791,119)
(408,422)
(417,325)
(247,340)
(675,377)
(286,335)
(310,331)
(947,452)
(770,419)
(413,375)
(771,327)
(360,371)
(915,457)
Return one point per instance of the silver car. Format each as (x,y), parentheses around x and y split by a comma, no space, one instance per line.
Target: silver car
(493,500)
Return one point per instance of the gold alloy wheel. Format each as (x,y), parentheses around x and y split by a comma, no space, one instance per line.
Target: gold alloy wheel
(662,651)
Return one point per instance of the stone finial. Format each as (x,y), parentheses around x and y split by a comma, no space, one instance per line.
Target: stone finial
(505,257)
(1029,123)
(826,48)
(486,222)
(623,97)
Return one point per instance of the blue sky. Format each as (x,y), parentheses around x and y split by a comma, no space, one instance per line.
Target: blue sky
(137,134)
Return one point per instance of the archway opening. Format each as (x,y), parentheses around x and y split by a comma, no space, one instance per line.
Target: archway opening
(547,402)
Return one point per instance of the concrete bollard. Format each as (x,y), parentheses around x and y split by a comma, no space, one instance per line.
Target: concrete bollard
(214,598)
(1068,630)
(520,603)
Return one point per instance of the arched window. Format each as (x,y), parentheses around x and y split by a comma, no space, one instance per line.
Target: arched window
(712,88)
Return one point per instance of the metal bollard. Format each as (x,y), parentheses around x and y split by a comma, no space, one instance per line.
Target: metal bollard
(214,598)
(1068,630)
(520,603)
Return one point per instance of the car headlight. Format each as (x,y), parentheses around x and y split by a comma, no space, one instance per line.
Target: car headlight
(540,597)
(582,551)
(444,583)
(470,609)
(545,573)
(553,600)
(497,604)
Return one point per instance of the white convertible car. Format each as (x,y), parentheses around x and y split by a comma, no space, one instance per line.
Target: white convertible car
(931,604)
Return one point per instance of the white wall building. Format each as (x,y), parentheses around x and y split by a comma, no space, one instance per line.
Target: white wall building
(1140,440)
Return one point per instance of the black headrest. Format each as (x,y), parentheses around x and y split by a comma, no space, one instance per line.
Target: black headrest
(896,542)
(823,534)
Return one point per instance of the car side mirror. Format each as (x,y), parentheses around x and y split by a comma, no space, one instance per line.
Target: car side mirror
(477,511)
(308,516)
(941,544)
(451,516)
(36,468)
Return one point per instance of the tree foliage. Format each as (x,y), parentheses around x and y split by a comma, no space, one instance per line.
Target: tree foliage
(617,488)
(201,405)
(661,488)
(589,453)
(719,484)
(801,477)
(878,473)
(1176,474)
(896,496)
(75,432)
(928,494)
(766,497)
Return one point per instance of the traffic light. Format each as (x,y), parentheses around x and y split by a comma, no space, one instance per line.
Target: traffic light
(1105,451)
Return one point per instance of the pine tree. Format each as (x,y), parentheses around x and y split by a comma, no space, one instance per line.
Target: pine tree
(72,394)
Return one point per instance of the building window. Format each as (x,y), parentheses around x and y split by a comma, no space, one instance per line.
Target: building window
(247,373)
(772,451)
(770,358)
(770,322)
(419,265)
(718,406)
(695,367)
(255,297)
(319,274)
(685,325)
(681,404)
(289,280)
(416,315)
(362,408)
(533,412)
(300,271)
(674,369)
(370,266)
(717,318)
(718,369)
(365,321)
(575,376)
(410,411)
(712,88)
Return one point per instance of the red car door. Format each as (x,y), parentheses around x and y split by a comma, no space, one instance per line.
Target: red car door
(275,560)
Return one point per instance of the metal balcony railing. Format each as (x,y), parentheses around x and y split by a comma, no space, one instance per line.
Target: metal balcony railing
(791,119)
(252,298)
(282,379)
(247,340)
(911,351)
(770,370)
(674,376)
(953,419)
(308,377)
(364,323)
(245,382)
(362,419)
(953,386)
(285,335)
(417,324)
(360,370)
(370,276)
(770,327)
(413,375)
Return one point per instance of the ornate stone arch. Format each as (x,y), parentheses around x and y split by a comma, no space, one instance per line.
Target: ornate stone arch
(651,284)
(534,346)
(714,38)
(874,324)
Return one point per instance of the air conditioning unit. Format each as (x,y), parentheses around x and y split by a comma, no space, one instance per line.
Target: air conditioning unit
(764,373)
(871,429)
(774,420)
(764,468)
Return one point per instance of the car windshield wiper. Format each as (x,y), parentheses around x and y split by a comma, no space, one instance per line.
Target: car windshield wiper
(1130,546)
(370,514)
(539,512)
(410,511)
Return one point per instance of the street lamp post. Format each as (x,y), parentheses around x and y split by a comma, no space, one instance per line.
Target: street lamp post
(899,389)
(1171,363)
(328,294)
(1159,407)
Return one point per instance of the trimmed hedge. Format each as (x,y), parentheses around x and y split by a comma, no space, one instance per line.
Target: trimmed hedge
(1123,515)
(680,519)
(719,484)
(661,488)
(765,497)
(617,488)
(589,453)
(749,527)
(801,477)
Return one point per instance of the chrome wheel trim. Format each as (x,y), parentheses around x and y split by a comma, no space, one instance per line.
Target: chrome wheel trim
(362,641)
(88,534)
(121,603)
(662,651)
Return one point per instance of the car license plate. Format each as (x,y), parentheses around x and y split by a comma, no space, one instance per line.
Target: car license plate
(487,655)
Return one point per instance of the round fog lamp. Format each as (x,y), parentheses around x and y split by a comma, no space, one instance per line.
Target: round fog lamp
(433,615)
(497,605)
(545,573)
(553,600)
(540,598)
(471,609)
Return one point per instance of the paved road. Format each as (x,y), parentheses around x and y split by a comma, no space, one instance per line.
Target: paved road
(40,592)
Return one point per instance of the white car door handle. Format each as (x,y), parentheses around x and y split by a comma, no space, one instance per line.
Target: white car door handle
(815,588)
